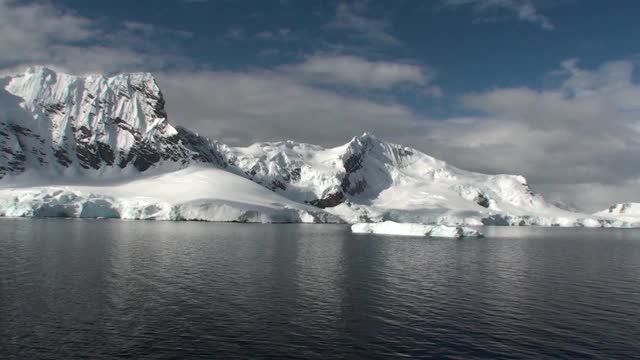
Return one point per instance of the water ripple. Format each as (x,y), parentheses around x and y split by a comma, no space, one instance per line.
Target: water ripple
(115,289)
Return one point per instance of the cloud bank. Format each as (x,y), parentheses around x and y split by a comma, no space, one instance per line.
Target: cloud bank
(358,72)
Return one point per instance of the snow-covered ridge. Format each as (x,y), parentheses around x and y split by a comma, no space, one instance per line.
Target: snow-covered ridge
(626,213)
(370,180)
(92,135)
(628,209)
(75,125)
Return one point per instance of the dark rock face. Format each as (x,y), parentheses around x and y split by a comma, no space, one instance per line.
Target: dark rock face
(62,156)
(496,220)
(353,183)
(154,99)
(622,208)
(329,200)
(106,153)
(81,145)
(277,184)
(354,162)
(295,174)
(145,156)
(16,143)
(483,200)
(180,148)
(354,188)
(350,184)
(281,181)
(54,108)
(87,156)
(202,150)
(97,124)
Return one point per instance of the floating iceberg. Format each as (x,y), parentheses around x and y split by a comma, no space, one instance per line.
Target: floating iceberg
(411,229)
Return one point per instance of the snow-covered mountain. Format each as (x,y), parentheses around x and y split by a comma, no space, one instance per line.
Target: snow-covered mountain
(628,212)
(92,126)
(67,142)
(369,179)
(629,209)
(96,146)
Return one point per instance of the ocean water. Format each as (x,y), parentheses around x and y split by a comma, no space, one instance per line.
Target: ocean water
(164,290)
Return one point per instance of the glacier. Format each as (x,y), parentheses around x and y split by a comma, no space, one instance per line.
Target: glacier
(103,147)
(205,194)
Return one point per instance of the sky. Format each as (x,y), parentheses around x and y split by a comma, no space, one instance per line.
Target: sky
(549,89)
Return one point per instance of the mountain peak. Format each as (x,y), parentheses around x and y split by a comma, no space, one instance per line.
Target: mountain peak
(364,142)
(367,134)
(365,137)
(37,69)
(46,70)
(41,85)
(91,122)
(38,78)
(625,208)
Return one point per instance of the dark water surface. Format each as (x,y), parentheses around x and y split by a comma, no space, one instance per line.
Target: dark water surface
(163,290)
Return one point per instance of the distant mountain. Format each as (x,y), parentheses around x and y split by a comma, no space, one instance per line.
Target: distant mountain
(369,179)
(628,212)
(92,135)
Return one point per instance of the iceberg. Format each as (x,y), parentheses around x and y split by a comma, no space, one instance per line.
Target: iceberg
(412,229)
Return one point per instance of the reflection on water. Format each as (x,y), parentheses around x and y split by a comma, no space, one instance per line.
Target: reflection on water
(109,289)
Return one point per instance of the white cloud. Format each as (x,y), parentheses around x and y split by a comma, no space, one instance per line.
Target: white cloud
(565,142)
(359,72)
(280,34)
(152,30)
(583,132)
(262,105)
(26,30)
(40,33)
(244,106)
(235,33)
(434,90)
(350,17)
(265,35)
(524,10)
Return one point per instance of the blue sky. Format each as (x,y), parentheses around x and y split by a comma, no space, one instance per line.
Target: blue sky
(471,47)
(544,88)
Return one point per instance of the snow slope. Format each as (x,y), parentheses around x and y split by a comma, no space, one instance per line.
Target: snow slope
(195,193)
(624,213)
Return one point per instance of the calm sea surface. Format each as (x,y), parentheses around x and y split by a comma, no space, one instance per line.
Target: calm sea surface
(162,290)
